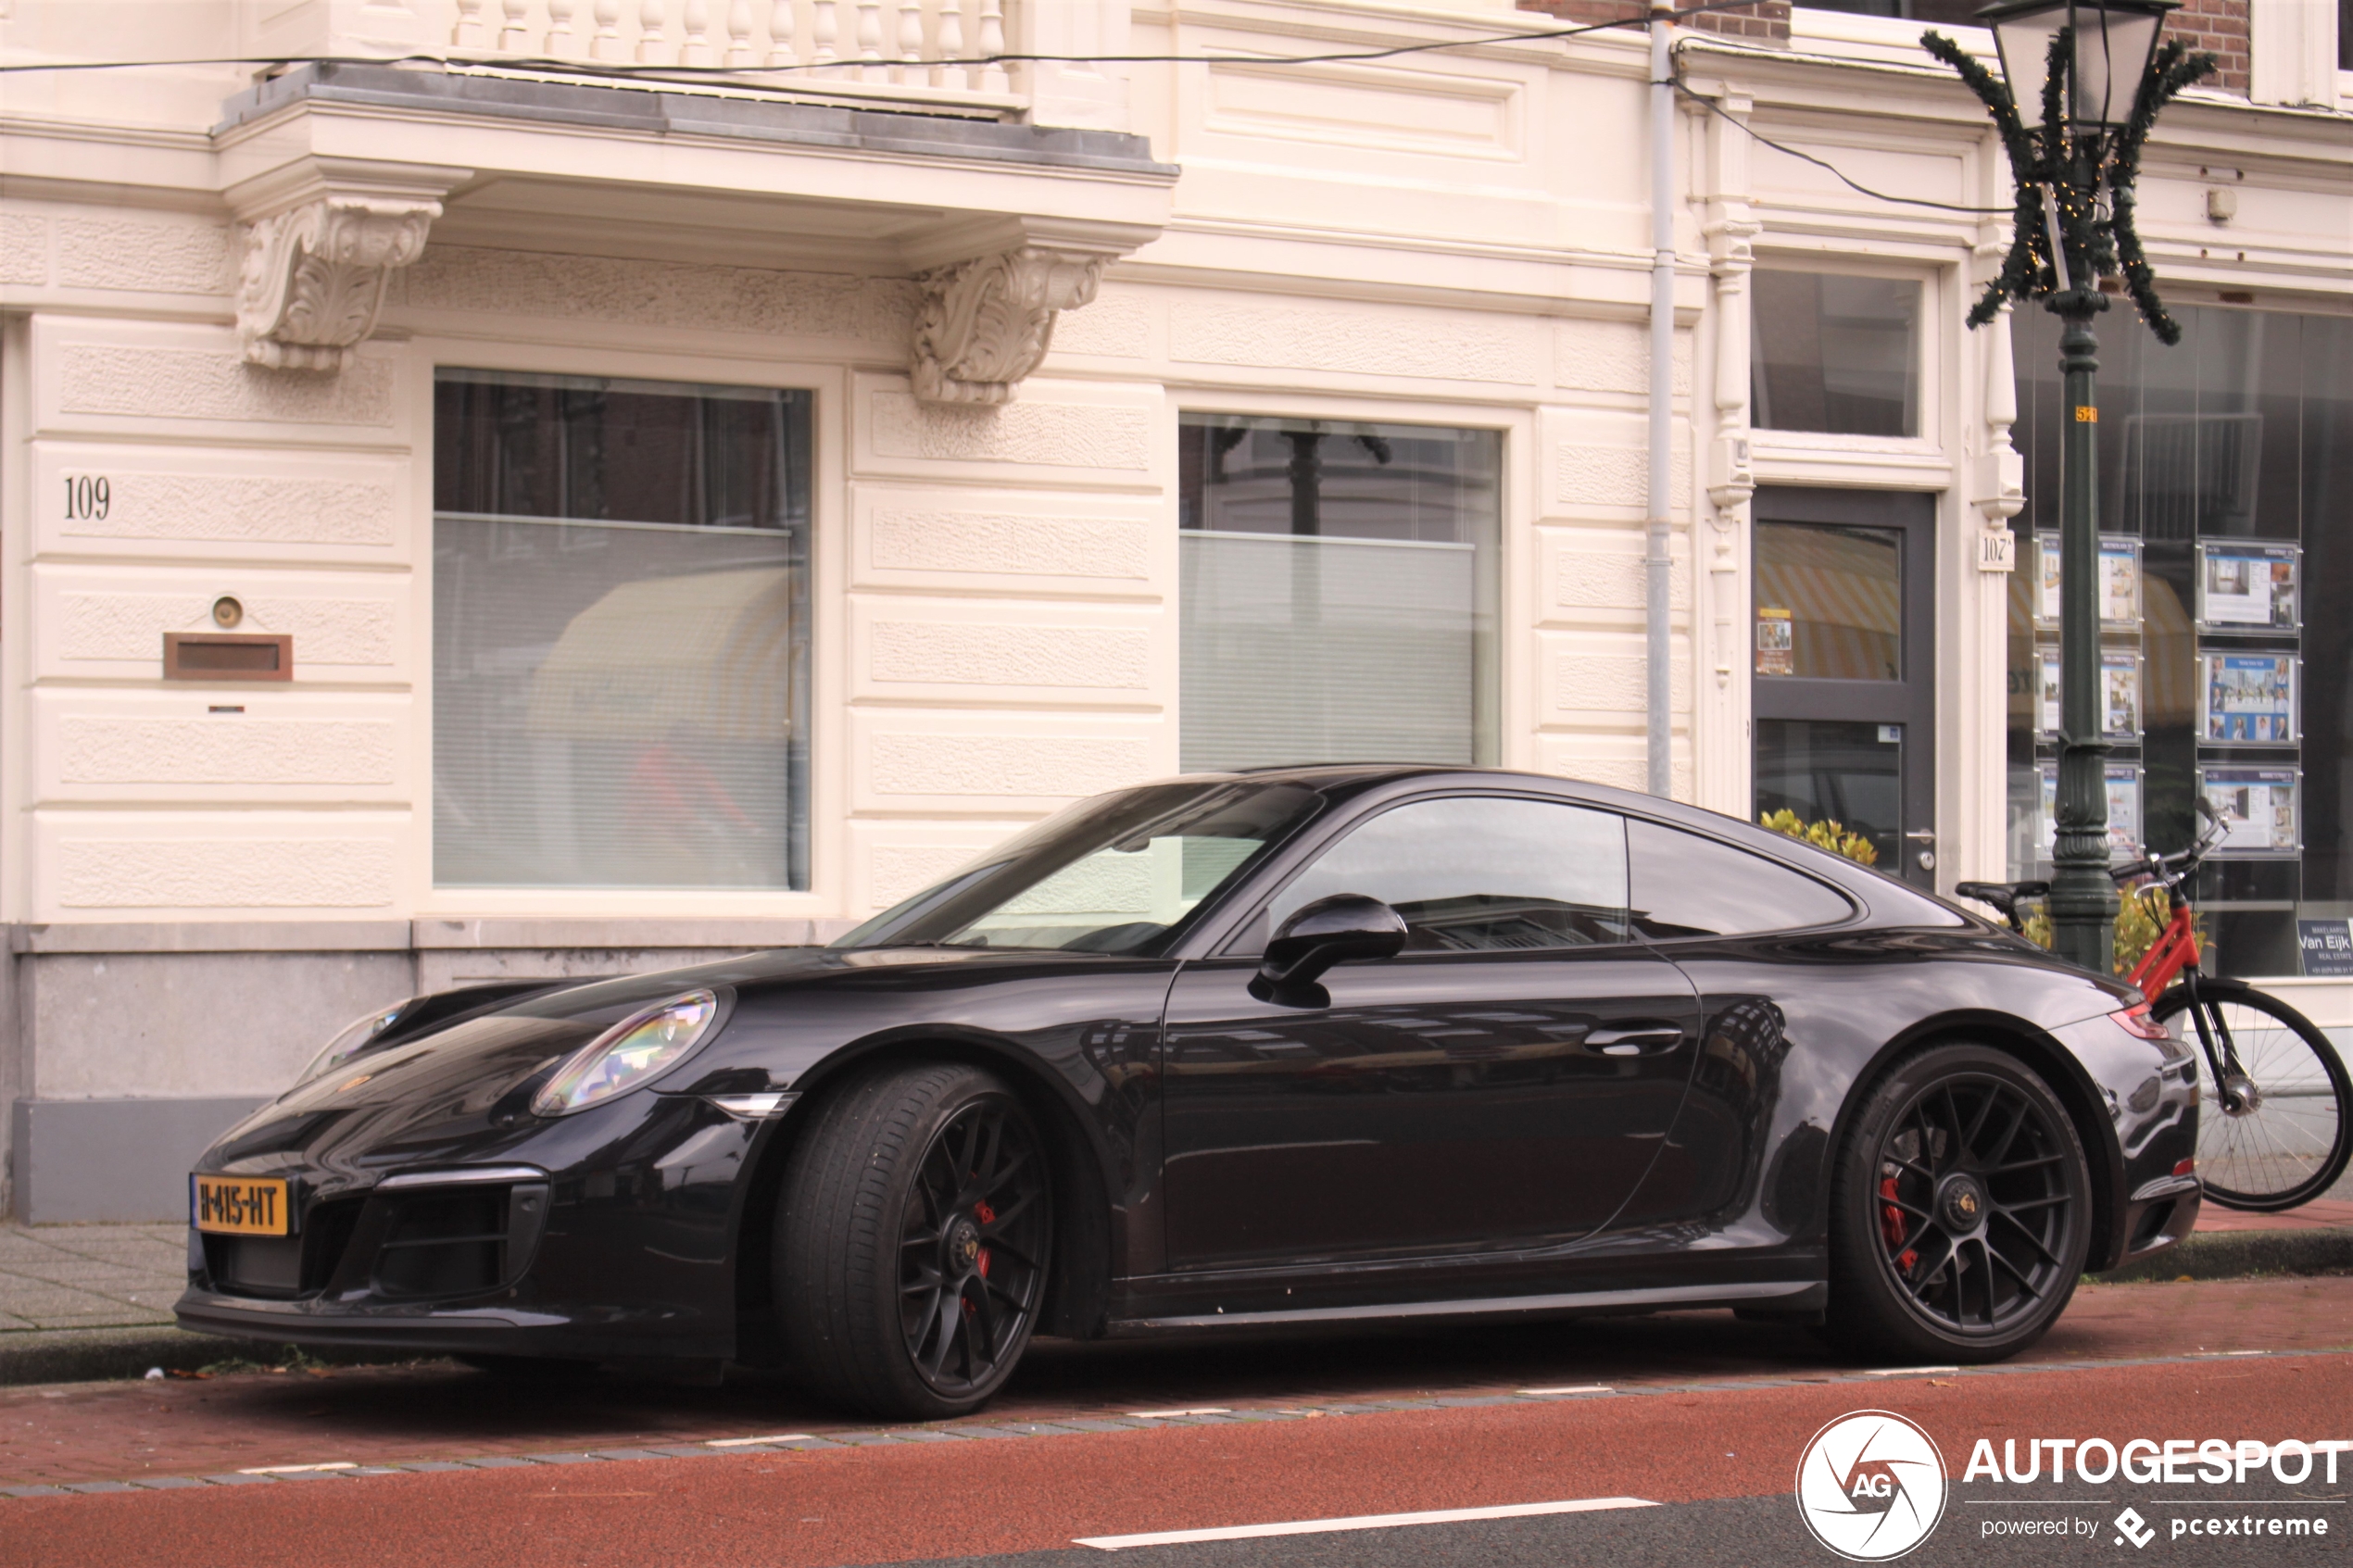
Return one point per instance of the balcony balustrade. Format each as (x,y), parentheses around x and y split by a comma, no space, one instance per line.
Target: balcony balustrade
(928,52)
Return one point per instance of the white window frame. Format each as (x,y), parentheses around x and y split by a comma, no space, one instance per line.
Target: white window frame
(1518,714)
(828,600)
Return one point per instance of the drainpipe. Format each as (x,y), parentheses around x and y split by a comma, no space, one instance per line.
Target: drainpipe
(1657,562)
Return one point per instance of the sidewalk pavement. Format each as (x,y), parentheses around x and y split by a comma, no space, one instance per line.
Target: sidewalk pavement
(79,1301)
(90,1276)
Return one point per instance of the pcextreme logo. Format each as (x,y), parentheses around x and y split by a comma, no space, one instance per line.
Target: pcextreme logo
(1871,1485)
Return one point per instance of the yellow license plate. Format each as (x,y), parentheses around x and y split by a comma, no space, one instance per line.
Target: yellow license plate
(241,1205)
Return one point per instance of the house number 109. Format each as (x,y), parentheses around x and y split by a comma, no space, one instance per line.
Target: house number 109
(86,496)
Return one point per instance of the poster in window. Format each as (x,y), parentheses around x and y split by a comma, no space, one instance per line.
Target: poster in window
(2123,811)
(2119,587)
(1775,652)
(2119,691)
(2247,698)
(2258,807)
(2247,587)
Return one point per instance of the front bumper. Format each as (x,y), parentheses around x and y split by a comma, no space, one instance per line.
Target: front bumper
(630,1253)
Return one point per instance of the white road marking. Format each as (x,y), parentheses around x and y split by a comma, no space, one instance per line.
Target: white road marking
(299,1469)
(1362,1522)
(744,1442)
(1198,1409)
(1571,1388)
(1907,1371)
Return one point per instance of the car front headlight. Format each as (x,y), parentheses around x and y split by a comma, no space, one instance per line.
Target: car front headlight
(351,1040)
(628,1054)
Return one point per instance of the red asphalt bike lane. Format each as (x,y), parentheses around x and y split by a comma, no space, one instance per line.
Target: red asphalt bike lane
(787,1510)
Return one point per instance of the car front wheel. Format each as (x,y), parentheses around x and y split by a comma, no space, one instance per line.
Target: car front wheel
(913,1240)
(1960,1211)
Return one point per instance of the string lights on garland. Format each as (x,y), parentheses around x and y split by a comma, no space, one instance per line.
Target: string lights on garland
(2075,168)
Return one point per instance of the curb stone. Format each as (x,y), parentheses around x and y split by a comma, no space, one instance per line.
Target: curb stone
(92,1355)
(2235,1254)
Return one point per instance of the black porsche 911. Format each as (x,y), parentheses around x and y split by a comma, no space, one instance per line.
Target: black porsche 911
(1318,1046)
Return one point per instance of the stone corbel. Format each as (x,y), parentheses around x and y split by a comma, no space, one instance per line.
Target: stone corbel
(986,319)
(322,239)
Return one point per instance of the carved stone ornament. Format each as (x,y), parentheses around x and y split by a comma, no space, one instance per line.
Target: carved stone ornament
(986,323)
(314,276)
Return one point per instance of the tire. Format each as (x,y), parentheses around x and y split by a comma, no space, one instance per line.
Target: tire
(912,1239)
(1960,1211)
(2279,1135)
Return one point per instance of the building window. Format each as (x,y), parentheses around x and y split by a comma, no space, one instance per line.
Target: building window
(1943,13)
(620,633)
(2225,478)
(1339,585)
(1834,353)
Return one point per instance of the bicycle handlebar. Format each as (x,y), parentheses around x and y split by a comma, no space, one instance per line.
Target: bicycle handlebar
(2183,862)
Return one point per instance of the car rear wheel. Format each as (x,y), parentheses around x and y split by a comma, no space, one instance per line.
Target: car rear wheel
(913,1240)
(1960,1211)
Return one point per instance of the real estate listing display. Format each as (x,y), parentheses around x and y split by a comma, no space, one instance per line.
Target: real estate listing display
(2260,809)
(2247,698)
(2119,691)
(2247,587)
(2120,597)
(2124,840)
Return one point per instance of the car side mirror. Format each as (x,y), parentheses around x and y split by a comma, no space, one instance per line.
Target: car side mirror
(1343,928)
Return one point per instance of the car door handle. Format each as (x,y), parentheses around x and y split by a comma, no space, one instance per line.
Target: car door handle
(1634,1042)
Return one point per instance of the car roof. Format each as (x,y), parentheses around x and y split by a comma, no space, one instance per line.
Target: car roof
(1886,896)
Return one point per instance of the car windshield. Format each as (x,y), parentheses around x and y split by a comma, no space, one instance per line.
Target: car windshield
(1115,874)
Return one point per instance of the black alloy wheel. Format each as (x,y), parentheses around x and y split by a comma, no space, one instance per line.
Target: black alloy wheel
(912,1242)
(972,1249)
(1962,1209)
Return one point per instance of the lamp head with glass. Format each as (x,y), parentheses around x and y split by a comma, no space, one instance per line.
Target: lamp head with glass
(2081,86)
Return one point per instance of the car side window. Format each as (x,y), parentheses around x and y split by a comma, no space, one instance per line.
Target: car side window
(1686,886)
(1481,873)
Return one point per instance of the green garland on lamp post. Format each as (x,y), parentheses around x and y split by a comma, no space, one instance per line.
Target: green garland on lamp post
(2075,165)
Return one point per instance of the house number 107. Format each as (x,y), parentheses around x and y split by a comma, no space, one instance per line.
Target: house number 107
(86,496)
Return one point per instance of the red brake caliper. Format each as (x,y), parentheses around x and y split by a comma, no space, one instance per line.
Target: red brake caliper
(1891,1226)
(988,1217)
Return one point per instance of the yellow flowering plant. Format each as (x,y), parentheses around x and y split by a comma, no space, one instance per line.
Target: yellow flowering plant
(1828,833)
(2140,921)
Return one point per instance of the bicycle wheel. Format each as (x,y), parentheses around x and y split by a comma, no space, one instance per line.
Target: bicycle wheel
(2277,1132)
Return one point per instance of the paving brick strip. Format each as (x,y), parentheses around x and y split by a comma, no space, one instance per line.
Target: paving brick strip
(2326,1363)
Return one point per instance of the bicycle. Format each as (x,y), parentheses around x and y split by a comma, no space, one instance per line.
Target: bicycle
(2285,1128)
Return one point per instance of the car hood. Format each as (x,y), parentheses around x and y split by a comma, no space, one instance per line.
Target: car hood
(460,1093)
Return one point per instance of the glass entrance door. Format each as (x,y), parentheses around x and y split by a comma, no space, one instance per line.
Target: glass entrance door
(1843,642)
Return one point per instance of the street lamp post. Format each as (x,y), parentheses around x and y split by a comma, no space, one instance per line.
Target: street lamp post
(2084,82)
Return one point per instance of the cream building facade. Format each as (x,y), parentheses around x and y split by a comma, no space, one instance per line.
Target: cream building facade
(337,366)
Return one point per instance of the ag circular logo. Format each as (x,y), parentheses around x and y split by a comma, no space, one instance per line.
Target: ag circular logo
(1871,1485)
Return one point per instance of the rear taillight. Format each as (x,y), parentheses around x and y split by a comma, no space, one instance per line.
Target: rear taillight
(2135,1020)
(2184,1167)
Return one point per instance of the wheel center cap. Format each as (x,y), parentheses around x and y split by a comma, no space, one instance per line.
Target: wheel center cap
(1963,1202)
(963,1244)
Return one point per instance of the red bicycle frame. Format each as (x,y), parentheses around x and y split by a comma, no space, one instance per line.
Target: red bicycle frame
(2174,950)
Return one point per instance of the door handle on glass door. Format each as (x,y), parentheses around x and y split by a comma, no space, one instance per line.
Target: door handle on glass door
(1633,1042)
